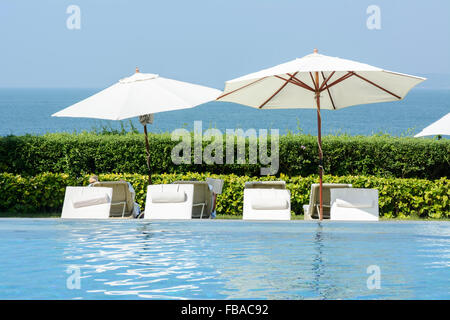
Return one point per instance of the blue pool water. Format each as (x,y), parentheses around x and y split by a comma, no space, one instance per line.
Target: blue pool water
(222,259)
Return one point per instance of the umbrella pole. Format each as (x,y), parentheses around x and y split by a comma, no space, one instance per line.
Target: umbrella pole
(147,148)
(319,141)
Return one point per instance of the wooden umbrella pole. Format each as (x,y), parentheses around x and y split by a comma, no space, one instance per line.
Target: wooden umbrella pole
(319,142)
(147,147)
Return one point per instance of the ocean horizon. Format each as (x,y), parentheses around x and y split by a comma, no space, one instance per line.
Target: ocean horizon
(29,110)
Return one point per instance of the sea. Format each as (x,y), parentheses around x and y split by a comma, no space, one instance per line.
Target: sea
(28,111)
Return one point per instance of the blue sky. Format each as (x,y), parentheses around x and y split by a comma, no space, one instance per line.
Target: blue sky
(210,41)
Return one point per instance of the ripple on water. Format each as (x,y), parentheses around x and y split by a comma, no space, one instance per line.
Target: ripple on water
(223,259)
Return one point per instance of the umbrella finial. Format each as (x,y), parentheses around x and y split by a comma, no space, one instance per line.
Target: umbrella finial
(137,70)
(316,51)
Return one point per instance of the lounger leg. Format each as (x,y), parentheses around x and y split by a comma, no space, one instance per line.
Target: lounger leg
(201,213)
(123,210)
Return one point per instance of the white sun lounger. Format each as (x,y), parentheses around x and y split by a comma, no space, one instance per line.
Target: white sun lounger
(122,202)
(202,202)
(87,203)
(354,204)
(266,200)
(169,201)
(311,210)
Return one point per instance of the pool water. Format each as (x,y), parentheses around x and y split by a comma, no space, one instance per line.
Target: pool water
(223,259)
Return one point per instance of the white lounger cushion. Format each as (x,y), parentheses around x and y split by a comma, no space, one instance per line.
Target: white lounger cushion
(267,204)
(91,201)
(169,201)
(347,204)
(87,203)
(354,204)
(168,196)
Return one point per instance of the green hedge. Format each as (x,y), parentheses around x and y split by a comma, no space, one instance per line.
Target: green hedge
(381,156)
(397,197)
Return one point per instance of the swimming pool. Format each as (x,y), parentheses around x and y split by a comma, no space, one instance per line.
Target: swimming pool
(223,259)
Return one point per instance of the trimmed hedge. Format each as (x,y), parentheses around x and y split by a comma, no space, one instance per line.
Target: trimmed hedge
(397,197)
(382,156)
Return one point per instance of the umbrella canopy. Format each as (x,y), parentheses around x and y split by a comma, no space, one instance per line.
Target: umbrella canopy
(342,83)
(440,127)
(141,95)
(318,81)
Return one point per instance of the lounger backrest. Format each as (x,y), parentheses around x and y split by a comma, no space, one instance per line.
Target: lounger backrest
(265,185)
(354,204)
(314,199)
(169,201)
(266,204)
(121,193)
(86,203)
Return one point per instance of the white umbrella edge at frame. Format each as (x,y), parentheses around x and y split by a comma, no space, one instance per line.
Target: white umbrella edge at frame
(297,84)
(440,127)
(139,95)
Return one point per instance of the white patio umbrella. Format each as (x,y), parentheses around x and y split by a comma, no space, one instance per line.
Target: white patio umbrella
(439,127)
(318,81)
(142,94)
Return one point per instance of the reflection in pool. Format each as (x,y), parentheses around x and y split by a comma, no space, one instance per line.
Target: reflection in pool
(222,259)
